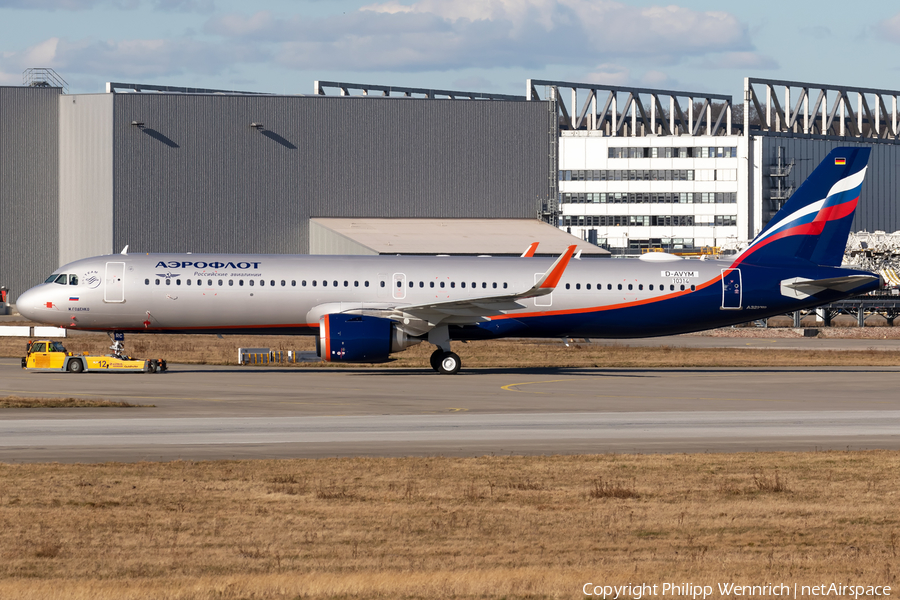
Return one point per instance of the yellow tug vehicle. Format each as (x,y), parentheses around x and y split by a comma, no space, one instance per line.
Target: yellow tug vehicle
(47,355)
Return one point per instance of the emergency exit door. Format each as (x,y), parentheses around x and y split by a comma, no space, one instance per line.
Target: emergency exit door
(114,282)
(731,289)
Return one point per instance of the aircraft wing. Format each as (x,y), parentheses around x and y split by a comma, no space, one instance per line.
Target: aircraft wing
(474,310)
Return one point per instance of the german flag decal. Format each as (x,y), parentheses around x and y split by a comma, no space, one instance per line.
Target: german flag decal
(840,161)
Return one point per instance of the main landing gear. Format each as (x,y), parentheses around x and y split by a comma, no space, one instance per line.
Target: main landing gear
(445,363)
(443,360)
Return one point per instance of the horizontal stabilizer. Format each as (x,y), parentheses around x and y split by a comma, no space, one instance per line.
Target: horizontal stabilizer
(802,288)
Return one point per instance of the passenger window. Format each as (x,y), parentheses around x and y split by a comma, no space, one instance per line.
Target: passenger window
(453,284)
(220,283)
(314,283)
(505,285)
(630,286)
(577,286)
(442,284)
(567,286)
(346,284)
(620,286)
(262,282)
(641,286)
(177,282)
(293,283)
(671,288)
(73,279)
(251,282)
(609,286)
(168,282)
(303,283)
(474,285)
(411,284)
(188,281)
(366,284)
(382,284)
(463,284)
(146,282)
(588,286)
(231,282)
(324,283)
(651,287)
(335,284)
(693,288)
(421,284)
(682,288)
(355,284)
(272,283)
(495,285)
(283,283)
(431,284)
(484,284)
(62,279)
(399,284)
(241,282)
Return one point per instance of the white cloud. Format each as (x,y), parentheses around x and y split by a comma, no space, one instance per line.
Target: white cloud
(453,34)
(739,60)
(889,29)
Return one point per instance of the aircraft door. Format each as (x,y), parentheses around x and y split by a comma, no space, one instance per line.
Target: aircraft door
(731,289)
(398,286)
(542,300)
(114,288)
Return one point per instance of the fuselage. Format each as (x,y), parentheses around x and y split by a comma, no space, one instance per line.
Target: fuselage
(288,294)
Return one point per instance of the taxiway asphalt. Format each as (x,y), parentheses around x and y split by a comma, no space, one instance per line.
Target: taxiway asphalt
(207,412)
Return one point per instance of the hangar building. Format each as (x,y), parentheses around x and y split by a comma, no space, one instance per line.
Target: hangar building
(186,170)
(680,171)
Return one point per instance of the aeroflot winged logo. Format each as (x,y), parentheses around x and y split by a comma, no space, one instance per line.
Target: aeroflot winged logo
(182,264)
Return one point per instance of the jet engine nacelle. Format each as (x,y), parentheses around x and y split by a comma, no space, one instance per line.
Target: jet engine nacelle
(360,338)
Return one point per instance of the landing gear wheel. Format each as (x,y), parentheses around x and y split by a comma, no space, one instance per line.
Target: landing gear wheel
(75,366)
(436,359)
(449,364)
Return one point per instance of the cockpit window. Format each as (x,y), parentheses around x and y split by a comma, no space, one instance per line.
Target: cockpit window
(51,279)
(73,279)
(61,280)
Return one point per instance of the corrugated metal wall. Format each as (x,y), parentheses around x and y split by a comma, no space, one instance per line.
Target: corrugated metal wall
(85,176)
(197,177)
(879,205)
(29,190)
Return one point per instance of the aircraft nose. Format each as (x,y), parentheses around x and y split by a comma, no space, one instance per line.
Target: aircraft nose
(28,304)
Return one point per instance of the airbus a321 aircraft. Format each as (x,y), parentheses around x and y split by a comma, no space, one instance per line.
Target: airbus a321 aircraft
(363,308)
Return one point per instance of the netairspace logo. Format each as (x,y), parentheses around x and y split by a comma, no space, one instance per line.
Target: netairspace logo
(770,590)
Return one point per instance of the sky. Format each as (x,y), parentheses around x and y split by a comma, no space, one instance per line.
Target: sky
(283,46)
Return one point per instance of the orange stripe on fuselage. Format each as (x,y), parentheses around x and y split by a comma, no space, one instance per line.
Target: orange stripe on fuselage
(326,353)
(590,309)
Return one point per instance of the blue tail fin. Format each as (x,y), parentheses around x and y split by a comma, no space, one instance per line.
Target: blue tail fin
(814,224)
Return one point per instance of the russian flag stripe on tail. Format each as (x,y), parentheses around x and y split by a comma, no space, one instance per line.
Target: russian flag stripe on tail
(812,227)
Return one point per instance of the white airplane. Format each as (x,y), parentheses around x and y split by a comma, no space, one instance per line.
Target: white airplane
(363,308)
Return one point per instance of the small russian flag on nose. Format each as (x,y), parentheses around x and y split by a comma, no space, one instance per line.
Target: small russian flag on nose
(840,161)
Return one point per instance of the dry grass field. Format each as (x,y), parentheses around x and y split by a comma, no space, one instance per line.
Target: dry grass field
(30,402)
(489,527)
(209,349)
